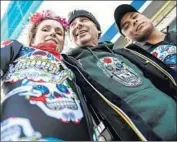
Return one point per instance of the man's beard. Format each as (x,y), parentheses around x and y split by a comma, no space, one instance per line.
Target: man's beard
(144,37)
(145,34)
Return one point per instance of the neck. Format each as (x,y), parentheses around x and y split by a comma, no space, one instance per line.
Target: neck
(155,37)
(92,44)
(89,43)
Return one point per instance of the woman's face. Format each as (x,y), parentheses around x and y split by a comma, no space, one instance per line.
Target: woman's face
(50,31)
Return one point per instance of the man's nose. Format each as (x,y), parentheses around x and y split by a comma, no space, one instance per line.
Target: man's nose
(135,22)
(79,25)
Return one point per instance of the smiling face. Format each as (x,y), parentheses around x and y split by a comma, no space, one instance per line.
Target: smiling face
(84,32)
(49,31)
(136,26)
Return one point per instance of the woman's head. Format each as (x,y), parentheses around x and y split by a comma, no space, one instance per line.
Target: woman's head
(47,27)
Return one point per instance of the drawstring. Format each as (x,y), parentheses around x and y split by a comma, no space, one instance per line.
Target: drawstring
(113,53)
(110,75)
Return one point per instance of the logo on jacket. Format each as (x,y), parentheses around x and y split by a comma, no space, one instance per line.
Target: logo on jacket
(55,100)
(20,129)
(116,69)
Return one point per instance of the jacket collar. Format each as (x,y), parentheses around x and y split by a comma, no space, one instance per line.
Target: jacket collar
(101,46)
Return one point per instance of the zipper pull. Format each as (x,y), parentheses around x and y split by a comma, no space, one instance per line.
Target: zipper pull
(147,62)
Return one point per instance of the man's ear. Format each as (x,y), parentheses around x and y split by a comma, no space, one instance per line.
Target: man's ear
(99,33)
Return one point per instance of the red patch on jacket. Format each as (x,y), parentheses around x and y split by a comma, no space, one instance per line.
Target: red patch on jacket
(6,43)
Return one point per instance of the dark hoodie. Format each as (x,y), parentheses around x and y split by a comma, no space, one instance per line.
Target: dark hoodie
(125,79)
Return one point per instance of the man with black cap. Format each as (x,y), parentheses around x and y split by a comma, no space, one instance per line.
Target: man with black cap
(122,91)
(137,27)
(91,32)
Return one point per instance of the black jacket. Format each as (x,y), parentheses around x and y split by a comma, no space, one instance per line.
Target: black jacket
(42,100)
(109,105)
(119,119)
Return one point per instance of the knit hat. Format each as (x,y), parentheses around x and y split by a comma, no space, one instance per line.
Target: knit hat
(83,13)
(119,13)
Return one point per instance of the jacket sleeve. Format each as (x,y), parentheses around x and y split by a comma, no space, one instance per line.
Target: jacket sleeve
(9,51)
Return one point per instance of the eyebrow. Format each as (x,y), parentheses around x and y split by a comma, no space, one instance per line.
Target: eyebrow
(59,29)
(45,26)
(131,15)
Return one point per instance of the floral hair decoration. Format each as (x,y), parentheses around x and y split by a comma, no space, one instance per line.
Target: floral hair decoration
(48,14)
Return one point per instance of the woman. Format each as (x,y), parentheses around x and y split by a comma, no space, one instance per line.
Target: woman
(42,100)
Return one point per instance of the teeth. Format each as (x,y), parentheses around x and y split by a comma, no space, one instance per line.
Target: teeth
(81,32)
(20,65)
(47,65)
(38,63)
(51,67)
(17,67)
(54,68)
(43,64)
(60,104)
(23,65)
(28,63)
(33,63)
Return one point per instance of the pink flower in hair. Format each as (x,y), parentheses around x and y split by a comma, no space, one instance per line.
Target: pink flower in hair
(58,18)
(36,18)
(49,14)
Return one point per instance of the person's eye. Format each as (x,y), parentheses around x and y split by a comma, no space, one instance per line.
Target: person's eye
(84,20)
(59,33)
(72,25)
(126,27)
(45,29)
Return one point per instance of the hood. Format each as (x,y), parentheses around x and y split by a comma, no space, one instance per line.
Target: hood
(101,46)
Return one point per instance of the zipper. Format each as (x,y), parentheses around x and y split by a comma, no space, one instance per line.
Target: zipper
(154,64)
(113,106)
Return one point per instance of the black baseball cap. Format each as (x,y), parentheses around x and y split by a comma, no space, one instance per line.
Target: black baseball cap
(119,13)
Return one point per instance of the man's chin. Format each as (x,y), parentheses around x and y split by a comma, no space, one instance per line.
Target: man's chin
(83,40)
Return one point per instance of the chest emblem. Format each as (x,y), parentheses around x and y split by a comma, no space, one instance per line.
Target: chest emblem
(120,72)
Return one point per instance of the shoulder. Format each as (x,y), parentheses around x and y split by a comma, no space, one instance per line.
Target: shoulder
(10,42)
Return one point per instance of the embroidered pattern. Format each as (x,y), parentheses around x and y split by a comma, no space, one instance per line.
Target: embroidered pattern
(114,68)
(45,84)
(167,54)
(20,129)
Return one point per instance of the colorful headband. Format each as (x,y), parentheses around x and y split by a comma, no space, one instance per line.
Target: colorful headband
(37,17)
